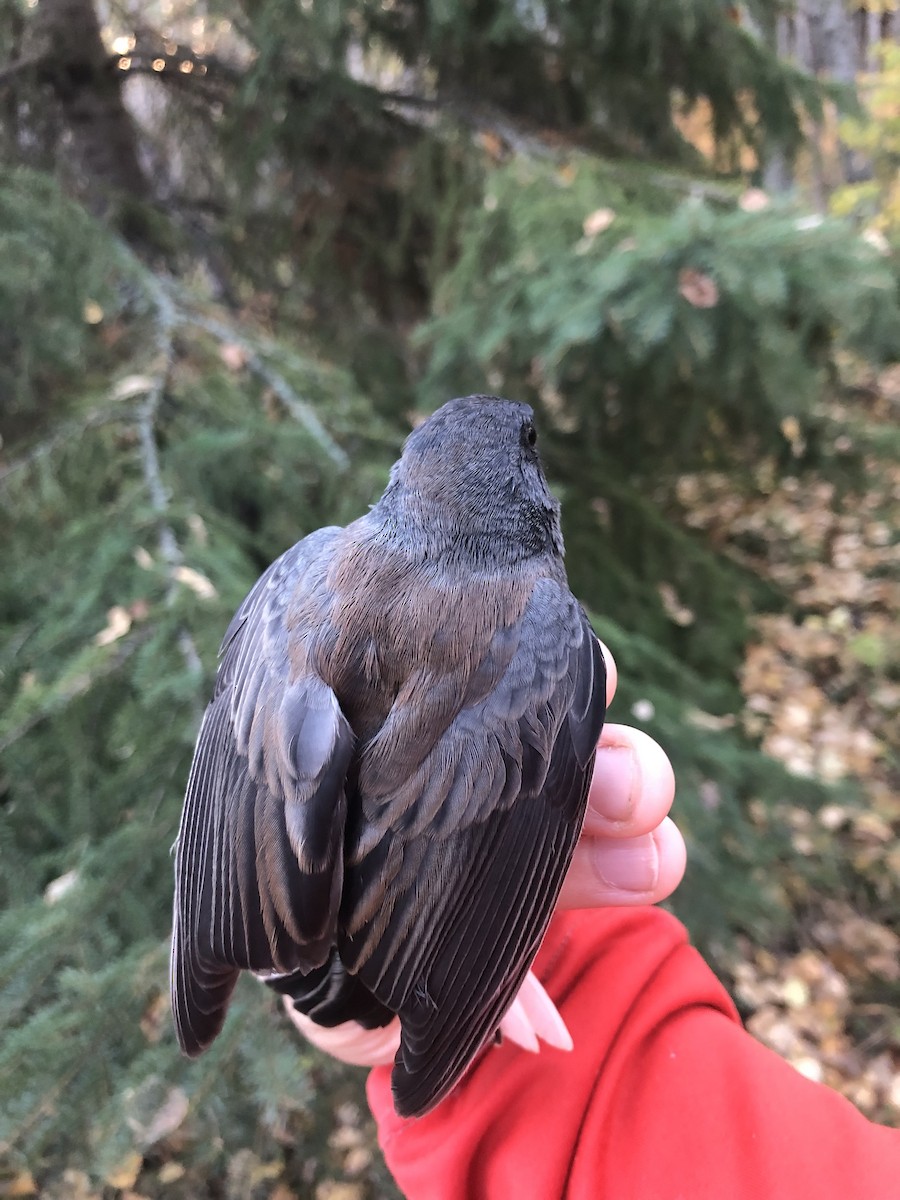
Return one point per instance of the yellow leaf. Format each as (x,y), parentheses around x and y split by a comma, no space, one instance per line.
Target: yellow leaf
(125,1174)
(20,1185)
(704,720)
(170,1172)
(331,1189)
(795,993)
(198,583)
(597,221)
(118,622)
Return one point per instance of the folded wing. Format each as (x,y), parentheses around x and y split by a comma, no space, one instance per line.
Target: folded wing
(259,858)
(454,874)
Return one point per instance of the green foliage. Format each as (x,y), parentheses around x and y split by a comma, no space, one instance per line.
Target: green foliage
(58,266)
(876,200)
(682,333)
(102,633)
(495,199)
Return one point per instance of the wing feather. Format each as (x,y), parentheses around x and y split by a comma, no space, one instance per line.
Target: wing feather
(259,856)
(486,827)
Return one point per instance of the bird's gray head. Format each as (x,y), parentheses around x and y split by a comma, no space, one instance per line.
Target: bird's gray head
(470,484)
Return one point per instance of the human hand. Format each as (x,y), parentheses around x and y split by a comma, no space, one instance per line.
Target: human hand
(630,853)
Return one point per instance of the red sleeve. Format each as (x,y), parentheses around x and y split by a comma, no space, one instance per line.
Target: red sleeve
(665,1096)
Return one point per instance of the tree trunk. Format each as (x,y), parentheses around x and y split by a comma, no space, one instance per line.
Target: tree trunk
(86,83)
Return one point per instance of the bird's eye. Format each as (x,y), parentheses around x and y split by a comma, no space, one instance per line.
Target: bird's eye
(529,435)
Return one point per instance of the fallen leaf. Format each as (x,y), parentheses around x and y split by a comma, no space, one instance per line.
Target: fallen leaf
(125,1174)
(154,1019)
(197,526)
(167,1118)
(597,221)
(197,582)
(674,609)
(809,1067)
(754,200)
(697,288)
(357,1160)
(132,385)
(118,622)
(57,888)
(331,1189)
(795,993)
(790,427)
(21,1184)
(492,144)
(234,356)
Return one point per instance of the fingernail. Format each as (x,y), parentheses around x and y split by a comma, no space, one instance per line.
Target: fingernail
(628,866)
(615,775)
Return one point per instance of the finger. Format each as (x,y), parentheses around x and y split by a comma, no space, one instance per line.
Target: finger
(625,871)
(633,785)
(612,673)
(349,1042)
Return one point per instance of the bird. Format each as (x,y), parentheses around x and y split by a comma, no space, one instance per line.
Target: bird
(391,777)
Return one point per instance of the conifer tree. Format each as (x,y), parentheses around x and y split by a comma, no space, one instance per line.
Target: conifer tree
(241,245)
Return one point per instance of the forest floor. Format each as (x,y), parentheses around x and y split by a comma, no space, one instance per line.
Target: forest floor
(821,682)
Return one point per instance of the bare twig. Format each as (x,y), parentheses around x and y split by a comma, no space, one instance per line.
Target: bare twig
(170,551)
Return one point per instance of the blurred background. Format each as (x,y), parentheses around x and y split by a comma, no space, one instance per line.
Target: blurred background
(243,244)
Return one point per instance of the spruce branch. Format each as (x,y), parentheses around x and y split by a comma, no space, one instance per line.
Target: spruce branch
(67,432)
(148,411)
(72,689)
(301,411)
(46,1104)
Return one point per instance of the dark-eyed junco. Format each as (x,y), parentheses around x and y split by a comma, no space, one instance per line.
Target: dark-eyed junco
(391,777)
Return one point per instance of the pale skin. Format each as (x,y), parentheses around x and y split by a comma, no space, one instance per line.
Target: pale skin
(630,853)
